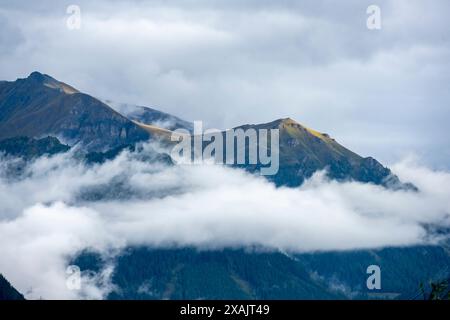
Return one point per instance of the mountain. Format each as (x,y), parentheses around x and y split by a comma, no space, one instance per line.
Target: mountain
(7,292)
(29,148)
(34,109)
(150,116)
(304,151)
(187,273)
(40,106)
(143,273)
(25,149)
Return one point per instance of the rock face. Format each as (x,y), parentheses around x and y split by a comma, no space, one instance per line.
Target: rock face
(40,105)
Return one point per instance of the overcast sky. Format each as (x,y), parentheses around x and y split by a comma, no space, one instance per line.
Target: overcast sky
(383,92)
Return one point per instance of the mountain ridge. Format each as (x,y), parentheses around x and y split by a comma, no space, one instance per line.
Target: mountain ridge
(304,151)
(40,105)
(150,116)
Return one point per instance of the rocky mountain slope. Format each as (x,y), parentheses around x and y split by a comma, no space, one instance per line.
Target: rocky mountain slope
(40,106)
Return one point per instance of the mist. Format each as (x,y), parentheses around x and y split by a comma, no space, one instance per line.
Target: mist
(47,216)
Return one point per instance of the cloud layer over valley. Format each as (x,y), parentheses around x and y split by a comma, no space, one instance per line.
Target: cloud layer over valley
(47,217)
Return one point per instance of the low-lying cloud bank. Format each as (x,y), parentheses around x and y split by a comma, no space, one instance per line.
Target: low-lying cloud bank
(47,216)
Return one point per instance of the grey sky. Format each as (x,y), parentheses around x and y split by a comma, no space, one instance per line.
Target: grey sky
(381,93)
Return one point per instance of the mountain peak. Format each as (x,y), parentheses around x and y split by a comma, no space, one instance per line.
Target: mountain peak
(40,77)
(50,82)
(291,128)
(288,121)
(284,122)
(40,105)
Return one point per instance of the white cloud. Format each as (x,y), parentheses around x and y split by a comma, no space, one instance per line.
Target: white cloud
(35,247)
(44,222)
(228,63)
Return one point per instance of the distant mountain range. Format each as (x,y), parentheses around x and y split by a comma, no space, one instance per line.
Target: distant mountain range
(40,106)
(150,116)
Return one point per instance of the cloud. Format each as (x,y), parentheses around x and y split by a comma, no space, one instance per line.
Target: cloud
(233,62)
(35,247)
(228,63)
(42,228)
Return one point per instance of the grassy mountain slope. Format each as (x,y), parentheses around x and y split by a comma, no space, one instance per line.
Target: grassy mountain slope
(304,151)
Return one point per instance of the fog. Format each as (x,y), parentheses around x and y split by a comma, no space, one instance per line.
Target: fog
(46,217)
